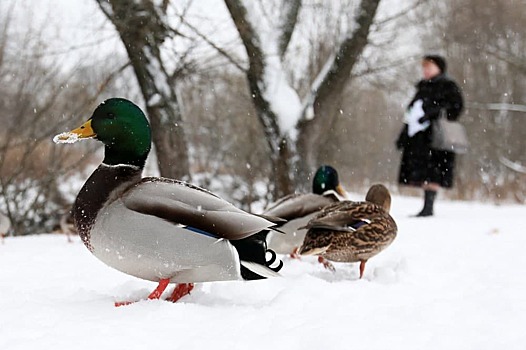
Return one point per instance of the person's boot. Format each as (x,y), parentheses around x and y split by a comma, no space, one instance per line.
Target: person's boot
(429,201)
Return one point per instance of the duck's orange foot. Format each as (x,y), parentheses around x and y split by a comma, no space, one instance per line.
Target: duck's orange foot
(180,291)
(295,253)
(326,263)
(156,294)
(362,267)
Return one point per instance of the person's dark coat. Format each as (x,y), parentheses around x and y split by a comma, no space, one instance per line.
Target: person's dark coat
(420,163)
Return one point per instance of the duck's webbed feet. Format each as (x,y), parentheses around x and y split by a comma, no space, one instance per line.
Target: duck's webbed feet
(326,263)
(156,294)
(295,253)
(180,291)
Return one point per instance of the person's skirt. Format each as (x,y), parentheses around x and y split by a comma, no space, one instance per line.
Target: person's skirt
(421,164)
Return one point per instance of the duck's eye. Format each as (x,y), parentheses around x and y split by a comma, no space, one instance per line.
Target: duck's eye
(110,115)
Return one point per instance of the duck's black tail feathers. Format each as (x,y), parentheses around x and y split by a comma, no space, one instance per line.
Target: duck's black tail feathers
(253,257)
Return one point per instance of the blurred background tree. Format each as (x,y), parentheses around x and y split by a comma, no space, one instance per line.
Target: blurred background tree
(38,96)
(54,72)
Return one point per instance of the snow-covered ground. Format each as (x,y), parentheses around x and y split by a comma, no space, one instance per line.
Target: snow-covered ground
(456,281)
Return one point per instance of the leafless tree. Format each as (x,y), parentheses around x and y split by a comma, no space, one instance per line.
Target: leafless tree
(143,28)
(229,154)
(38,99)
(315,114)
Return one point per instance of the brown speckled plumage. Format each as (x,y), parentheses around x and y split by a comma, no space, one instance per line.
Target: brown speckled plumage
(350,231)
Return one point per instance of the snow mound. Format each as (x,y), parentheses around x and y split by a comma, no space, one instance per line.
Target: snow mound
(451,282)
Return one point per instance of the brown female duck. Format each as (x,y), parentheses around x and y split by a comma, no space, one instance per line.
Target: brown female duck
(351,231)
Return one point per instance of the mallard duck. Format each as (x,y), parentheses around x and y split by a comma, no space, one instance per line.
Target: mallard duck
(5,226)
(351,231)
(159,229)
(298,209)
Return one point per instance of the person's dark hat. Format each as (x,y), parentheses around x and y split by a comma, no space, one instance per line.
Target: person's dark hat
(438,60)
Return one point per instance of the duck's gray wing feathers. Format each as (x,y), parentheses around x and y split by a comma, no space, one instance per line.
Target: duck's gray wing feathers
(298,205)
(185,204)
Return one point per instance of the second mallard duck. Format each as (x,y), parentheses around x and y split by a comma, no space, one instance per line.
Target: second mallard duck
(299,209)
(351,231)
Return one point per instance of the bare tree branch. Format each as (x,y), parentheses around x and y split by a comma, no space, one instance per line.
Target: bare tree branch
(4,35)
(248,36)
(327,92)
(69,49)
(289,18)
(348,52)
(519,168)
(497,107)
(401,13)
(255,71)
(277,142)
(219,50)
(507,57)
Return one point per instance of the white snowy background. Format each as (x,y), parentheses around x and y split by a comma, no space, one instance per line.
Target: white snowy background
(456,281)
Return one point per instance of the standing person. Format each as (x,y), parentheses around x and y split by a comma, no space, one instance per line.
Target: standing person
(421,165)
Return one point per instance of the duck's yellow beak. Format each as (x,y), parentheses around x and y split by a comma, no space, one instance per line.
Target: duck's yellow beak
(341,191)
(85,131)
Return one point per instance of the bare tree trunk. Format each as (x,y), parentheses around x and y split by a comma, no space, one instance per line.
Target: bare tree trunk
(143,29)
(288,21)
(326,92)
(278,142)
(328,95)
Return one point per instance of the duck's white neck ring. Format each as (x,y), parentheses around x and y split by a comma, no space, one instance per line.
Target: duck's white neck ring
(121,166)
